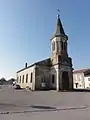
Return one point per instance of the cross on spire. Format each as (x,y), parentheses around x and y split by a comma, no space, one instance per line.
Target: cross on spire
(58,12)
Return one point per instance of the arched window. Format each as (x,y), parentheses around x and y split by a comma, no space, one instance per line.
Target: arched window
(17,79)
(20,80)
(53,46)
(61,45)
(65,45)
(53,78)
(26,78)
(31,77)
(23,79)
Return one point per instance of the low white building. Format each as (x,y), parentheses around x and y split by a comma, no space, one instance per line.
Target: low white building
(87,79)
(81,78)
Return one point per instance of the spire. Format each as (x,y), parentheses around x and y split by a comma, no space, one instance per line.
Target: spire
(59,28)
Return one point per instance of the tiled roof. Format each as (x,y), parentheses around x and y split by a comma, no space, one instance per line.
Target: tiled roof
(87,75)
(81,71)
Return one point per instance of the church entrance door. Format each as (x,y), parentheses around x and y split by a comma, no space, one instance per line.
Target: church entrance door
(65,80)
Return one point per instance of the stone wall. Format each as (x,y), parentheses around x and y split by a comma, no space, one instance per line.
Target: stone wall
(42,74)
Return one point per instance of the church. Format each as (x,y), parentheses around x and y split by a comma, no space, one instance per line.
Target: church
(54,73)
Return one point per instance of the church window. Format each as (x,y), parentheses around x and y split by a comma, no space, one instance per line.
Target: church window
(53,79)
(31,78)
(65,46)
(23,79)
(61,45)
(17,79)
(57,46)
(53,46)
(26,78)
(20,80)
(43,84)
(43,80)
(59,58)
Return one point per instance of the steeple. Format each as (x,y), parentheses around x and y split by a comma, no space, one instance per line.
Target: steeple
(59,40)
(61,62)
(59,31)
(59,28)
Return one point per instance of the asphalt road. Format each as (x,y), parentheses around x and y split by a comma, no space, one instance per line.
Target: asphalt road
(38,105)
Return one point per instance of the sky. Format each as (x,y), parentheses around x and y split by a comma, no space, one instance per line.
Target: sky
(26,27)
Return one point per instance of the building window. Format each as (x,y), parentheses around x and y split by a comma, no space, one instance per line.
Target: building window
(17,79)
(20,80)
(61,45)
(65,46)
(57,43)
(43,84)
(59,58)
(53,79)
(23,79)
(88,79)
(53,46)
(42,80)
(31,78)
(26,78)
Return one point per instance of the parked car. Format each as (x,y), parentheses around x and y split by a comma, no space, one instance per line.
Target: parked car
(17,86)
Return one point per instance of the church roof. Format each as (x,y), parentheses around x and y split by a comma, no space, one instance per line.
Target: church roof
(59,30)
(46,62)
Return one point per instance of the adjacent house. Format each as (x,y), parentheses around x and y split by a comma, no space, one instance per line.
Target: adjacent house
(87,79)
(81,78)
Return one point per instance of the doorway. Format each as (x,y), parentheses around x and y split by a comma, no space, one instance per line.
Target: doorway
(65,80)
(76,85)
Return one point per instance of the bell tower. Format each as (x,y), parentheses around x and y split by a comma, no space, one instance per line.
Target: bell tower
(61,62)
(59,41)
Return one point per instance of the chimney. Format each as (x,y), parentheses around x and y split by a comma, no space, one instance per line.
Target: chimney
(25,65)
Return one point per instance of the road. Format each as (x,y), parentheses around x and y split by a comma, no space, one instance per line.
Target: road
(38,105)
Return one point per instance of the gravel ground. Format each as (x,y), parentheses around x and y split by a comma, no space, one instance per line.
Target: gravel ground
(38,105)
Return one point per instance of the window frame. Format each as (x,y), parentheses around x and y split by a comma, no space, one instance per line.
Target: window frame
(31,77)
(65,45)
(20,80)
(26,78)
(88,79)
(23,79)
(53,46)
(61,42)
(17,79)
(53,78)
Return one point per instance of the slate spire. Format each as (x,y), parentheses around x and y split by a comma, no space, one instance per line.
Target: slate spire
(59,31)
(59,28)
